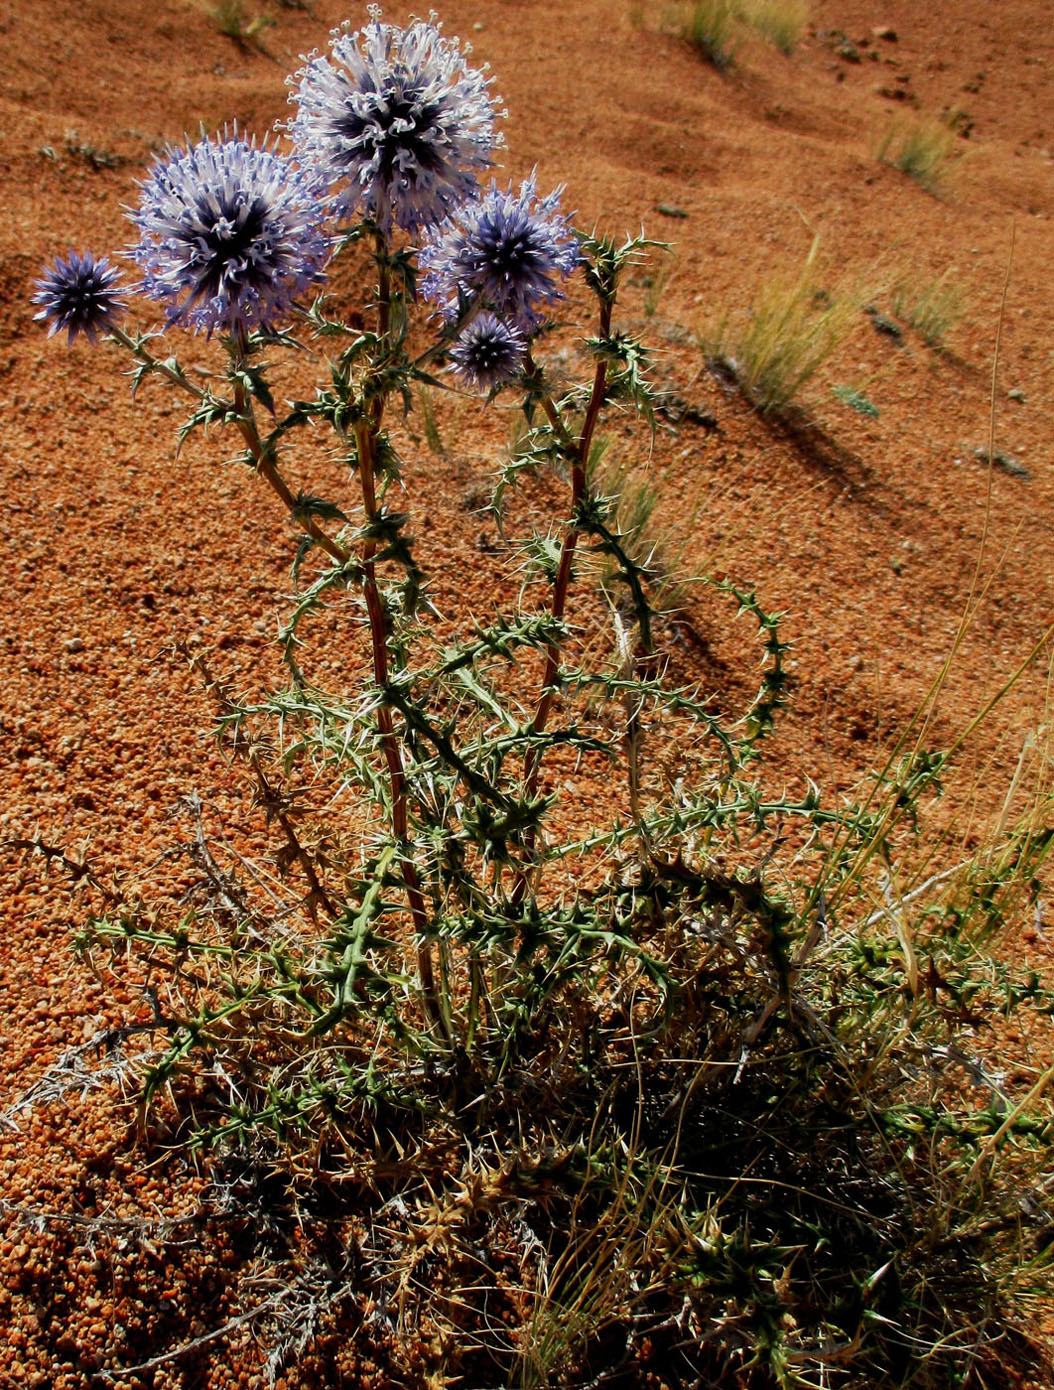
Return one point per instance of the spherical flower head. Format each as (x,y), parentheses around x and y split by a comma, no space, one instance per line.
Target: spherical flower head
(230,235)
(80,295)
(514,249)
(397,122)
(489,354)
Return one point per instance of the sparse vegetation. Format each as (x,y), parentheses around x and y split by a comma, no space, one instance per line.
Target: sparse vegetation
(856,400)
(231,19)
(713,27)
(710,27)
(782,22)
(425,402)
(923,150)
(655,285)
(884,325)
(95,156)
(656,549)
(931,309)
(792,329)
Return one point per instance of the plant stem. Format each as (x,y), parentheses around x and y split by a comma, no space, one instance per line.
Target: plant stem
(269,797)
(562,583)
(267,468)
(365,444)
(174,374)
(563,573)
(384,286)
(263,459)
(384,322)
(364,440)
(559,605)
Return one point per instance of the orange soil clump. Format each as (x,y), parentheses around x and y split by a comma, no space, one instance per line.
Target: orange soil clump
(866,532)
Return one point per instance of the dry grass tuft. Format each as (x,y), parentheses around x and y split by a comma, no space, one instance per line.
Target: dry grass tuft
(792,329)
(782,22)
(924,150)
(931,308)
(231,19)
(710,26)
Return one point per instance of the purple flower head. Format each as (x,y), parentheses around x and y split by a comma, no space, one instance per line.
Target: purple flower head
(81,295)
(513,249)
(489,353)
(230,235)
(398,119)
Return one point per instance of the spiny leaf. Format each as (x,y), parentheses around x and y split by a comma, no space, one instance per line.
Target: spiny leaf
(605,260)
(213,410)
(309,506)
(252,381)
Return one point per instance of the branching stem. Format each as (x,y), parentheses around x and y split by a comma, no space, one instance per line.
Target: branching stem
(268,469)
(263,459)
(171,372)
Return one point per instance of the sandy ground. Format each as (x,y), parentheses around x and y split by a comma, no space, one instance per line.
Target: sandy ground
(866,532)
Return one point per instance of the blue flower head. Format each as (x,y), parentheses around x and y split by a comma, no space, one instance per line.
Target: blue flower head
(513,249)
(397,122)
(80,295)
(489,353)
(230,235)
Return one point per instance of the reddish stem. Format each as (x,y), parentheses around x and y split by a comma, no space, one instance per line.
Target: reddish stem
(267,468)
(561,586)
(364,440)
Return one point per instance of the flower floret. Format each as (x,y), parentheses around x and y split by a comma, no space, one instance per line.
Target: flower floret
(396,122)
(80,295)
(231,234)
(489,353)
(513,249)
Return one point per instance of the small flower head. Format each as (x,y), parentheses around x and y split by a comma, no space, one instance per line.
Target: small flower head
(489,353)
(230,235)
(513,249)
(398,122)
(80,295)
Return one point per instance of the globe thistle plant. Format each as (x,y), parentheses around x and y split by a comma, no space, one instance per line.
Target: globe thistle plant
(489,354)
(80,295)
(231,234)
(504,848)
(397,123)
(514,249)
